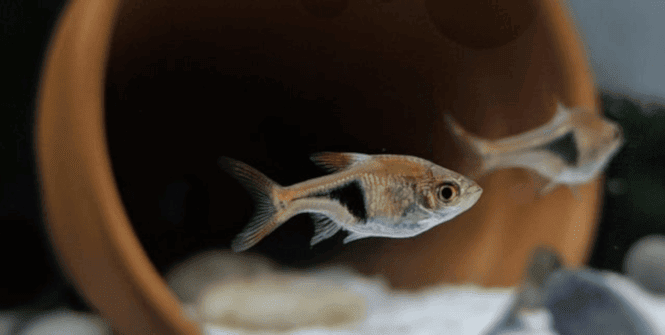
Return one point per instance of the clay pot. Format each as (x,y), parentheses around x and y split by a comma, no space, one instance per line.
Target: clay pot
(135,93)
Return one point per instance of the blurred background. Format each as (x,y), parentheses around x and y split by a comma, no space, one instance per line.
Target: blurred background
(625,49)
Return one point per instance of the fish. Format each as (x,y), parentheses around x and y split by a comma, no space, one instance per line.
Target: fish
(572,149)
(579,300)
(395,196)
(531,294)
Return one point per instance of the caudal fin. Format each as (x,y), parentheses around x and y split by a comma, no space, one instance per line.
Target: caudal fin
(261,189)
(475,150)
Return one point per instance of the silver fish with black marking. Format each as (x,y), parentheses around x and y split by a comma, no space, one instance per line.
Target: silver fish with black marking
(367,195)
(579,301)
(572,149)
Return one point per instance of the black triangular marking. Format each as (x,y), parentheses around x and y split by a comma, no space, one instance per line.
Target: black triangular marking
(566,147)
(352,197)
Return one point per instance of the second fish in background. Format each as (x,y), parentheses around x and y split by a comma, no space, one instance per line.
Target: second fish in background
(571,149)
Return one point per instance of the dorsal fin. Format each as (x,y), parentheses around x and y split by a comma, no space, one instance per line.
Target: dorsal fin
(337,161)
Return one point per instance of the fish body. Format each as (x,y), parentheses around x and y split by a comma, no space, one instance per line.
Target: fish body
(580,301)
(367,195)
(572,149)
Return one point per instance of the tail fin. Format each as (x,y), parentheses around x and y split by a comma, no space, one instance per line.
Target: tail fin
(261,189)
(475,150)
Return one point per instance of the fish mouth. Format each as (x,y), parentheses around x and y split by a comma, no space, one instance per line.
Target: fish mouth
(474,193)
(475,189)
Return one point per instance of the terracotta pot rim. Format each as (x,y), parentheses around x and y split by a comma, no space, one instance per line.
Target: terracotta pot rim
(80,46)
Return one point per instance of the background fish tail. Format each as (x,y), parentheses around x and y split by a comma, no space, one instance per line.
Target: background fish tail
(261,189)
(474,150)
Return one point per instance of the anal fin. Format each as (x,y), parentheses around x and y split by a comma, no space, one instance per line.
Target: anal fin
(542,185)
(354,236)
(324,228)
(577,194)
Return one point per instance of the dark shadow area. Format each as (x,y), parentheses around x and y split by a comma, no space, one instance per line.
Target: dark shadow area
(31,279)
(634,203)
(171,128)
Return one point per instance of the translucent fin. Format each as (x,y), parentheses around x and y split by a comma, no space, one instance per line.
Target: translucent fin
(260,188)
(474,149)
(336,161)
(324,228)
(354,236)
(539,182)
(548,188)
(562,109)
(576,192)
(561,114)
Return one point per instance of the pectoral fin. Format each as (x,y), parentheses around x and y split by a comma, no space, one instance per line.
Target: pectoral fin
(324,228)
(354,236)
(336,161)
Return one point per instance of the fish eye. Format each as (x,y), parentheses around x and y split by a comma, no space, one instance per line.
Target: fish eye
(448,191)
